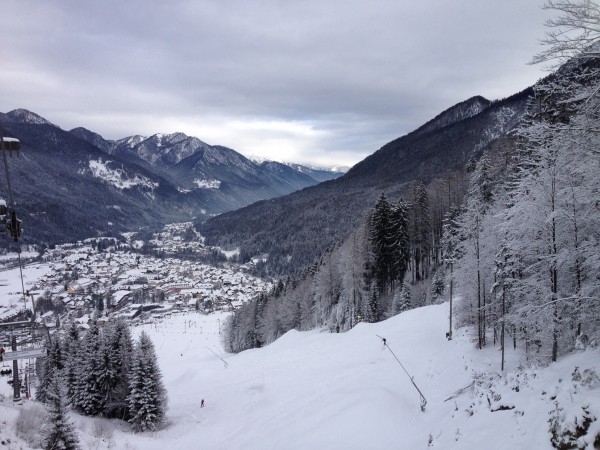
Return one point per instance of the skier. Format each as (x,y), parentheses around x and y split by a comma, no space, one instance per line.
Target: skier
(202,404)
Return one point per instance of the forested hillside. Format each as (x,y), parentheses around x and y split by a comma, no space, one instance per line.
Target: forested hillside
(294,230)
(525,244)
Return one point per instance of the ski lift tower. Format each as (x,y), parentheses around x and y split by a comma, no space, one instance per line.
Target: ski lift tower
(11,225)
(10,329)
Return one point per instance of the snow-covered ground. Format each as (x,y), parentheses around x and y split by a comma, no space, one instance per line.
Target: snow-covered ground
(15,256)
(11,298)
(346,391)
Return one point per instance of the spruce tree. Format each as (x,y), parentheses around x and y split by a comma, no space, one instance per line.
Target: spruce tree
(400,241)
(60,433)
(382,240)
(406,297)
(90,395)
(70,351)
(147,398)
(373,304)
(420,231)
(118,353)
(53,364)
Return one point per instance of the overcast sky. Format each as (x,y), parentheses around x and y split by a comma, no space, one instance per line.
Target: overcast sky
(312,81)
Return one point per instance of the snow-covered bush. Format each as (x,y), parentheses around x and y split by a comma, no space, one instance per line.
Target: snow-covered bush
(102,429)
(28,424)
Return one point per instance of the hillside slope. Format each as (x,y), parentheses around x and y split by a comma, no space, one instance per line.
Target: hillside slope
(295,229)
(347,391)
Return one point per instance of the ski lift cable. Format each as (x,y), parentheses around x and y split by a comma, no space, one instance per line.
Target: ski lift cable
(11,202)
(423,399)
(214,353)
(10,196)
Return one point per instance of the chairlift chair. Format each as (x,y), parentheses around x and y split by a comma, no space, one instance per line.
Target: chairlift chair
(3,214)
(14,226)
(11,145)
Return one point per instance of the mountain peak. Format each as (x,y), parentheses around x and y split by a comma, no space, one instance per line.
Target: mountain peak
(131,141)
(21,115)
(463,110)
(168,138)
(93,138)
(81,132)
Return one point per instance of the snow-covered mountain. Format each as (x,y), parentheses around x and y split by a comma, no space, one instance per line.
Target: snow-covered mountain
(67,188)
(25,116)
(160,150)
(75,184)
(190,164)
(463,110)
(320,173)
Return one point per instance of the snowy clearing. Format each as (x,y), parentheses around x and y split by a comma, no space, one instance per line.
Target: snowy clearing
(117,177)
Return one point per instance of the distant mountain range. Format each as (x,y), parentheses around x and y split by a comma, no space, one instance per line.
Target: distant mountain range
(69,185)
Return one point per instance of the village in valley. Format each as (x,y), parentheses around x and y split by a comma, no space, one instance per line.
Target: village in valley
(123,278)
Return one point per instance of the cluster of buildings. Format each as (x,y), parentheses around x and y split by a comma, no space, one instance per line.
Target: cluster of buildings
(117,281)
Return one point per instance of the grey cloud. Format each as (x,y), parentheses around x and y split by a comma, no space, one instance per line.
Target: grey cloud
(359,72)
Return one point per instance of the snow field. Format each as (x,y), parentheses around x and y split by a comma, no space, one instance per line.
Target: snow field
(346,391)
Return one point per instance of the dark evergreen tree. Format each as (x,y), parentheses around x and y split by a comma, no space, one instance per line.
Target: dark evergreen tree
(382,242)
(61,433)
(98,303)
(53,364)
(117,355)
(147,398)
(420,231)
(390,242)
(400,241)
(71,349)
(438,285)
(90,394)
(373,311)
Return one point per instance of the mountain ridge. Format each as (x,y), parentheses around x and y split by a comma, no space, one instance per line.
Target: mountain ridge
(75,184)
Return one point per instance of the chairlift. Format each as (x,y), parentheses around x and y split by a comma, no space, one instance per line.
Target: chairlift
(14,226)
(11,145)
(3,214)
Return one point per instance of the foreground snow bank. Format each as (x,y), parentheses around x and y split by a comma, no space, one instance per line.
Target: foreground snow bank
(346,391)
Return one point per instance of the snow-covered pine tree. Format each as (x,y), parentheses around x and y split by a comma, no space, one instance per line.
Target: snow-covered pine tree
(60,432)
(71,347)
(438,285)
(400,240)
(147,397)
(402,299)
(117,355)
(450,244)
(382,242)
(90,395)
(476,248)
(507,268)
(372,310)
(53,364)
(420,231)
